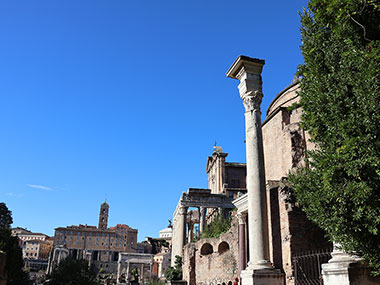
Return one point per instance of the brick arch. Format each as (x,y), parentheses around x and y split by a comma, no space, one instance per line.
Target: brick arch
(207,249)
(223,247)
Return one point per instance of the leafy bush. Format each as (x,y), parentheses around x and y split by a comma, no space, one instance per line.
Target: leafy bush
(174,273)
(218,226)
(72,272)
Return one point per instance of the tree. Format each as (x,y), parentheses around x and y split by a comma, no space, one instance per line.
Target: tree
(9,244)
(340,95)
(74,272)
(5,216)
(174,273)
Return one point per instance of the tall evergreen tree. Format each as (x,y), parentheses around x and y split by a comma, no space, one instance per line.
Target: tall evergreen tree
(340,96)
(9,244)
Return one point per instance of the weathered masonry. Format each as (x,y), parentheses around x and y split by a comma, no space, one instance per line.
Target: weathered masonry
(204,201)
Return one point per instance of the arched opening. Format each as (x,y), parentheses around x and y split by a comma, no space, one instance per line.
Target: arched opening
(75,254)
(207,249)
(229,282)
(223,247)
(95,255)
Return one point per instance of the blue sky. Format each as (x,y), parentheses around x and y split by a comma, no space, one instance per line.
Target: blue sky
(124,100)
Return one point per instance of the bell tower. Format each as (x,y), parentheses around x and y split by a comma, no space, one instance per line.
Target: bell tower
(103,216)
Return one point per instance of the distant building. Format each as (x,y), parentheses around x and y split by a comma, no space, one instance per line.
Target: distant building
(228,178)
(34,246)
(100,245)
(166,233)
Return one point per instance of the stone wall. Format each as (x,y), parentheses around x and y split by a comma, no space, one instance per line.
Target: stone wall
(291,232)
(284,139)
(213,261)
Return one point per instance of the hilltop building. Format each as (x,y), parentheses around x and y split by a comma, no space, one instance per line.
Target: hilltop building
(99,245)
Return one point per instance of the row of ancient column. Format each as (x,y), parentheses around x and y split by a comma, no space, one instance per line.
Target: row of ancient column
(181,223)
(179,230)
(141,277)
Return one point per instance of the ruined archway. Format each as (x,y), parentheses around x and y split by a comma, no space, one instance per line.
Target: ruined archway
(207,249)
(223,247)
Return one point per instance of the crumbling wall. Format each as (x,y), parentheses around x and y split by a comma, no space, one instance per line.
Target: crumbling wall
(291,232)
(213,261)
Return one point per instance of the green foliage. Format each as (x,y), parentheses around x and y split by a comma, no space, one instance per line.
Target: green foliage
(9,245)
(72,272)
(174,273)
(340,96)
(135,274)
(5,216)
(218,226)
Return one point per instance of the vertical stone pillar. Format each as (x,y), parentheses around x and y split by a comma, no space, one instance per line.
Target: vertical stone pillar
(179,233)
(119,270)
(259,271)
(242,245)
(202,219)
(190,233)
(248,71)
(127,274)
(142,274)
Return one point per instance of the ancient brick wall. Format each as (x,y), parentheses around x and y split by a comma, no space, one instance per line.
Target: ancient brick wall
(213,261)
(291,231)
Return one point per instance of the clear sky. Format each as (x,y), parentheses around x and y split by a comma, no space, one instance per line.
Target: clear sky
(123,100)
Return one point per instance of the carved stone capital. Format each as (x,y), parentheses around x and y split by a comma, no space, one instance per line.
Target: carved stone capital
(252,100)
(241,218)
(182,210)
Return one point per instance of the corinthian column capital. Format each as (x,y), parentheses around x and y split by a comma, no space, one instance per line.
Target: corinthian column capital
(241,218)
(252,100)
(248,71)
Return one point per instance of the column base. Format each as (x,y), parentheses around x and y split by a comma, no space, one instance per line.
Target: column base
(261,274)
(344,269)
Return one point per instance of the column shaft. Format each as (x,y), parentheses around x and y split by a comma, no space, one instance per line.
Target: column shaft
(258,251)
(242,246)
(190,232)
(127,274)
(202,219)
(179,233)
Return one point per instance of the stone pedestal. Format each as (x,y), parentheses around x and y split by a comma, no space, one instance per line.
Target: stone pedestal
(262,277)
(179,233)
(345,269)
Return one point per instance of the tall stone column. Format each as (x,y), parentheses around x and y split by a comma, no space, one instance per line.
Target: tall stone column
(127,274)
(202,219)
(179,233)
(259,271)
(190,233)
(142,274)
(119,264)
(248,71)
(242,245)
